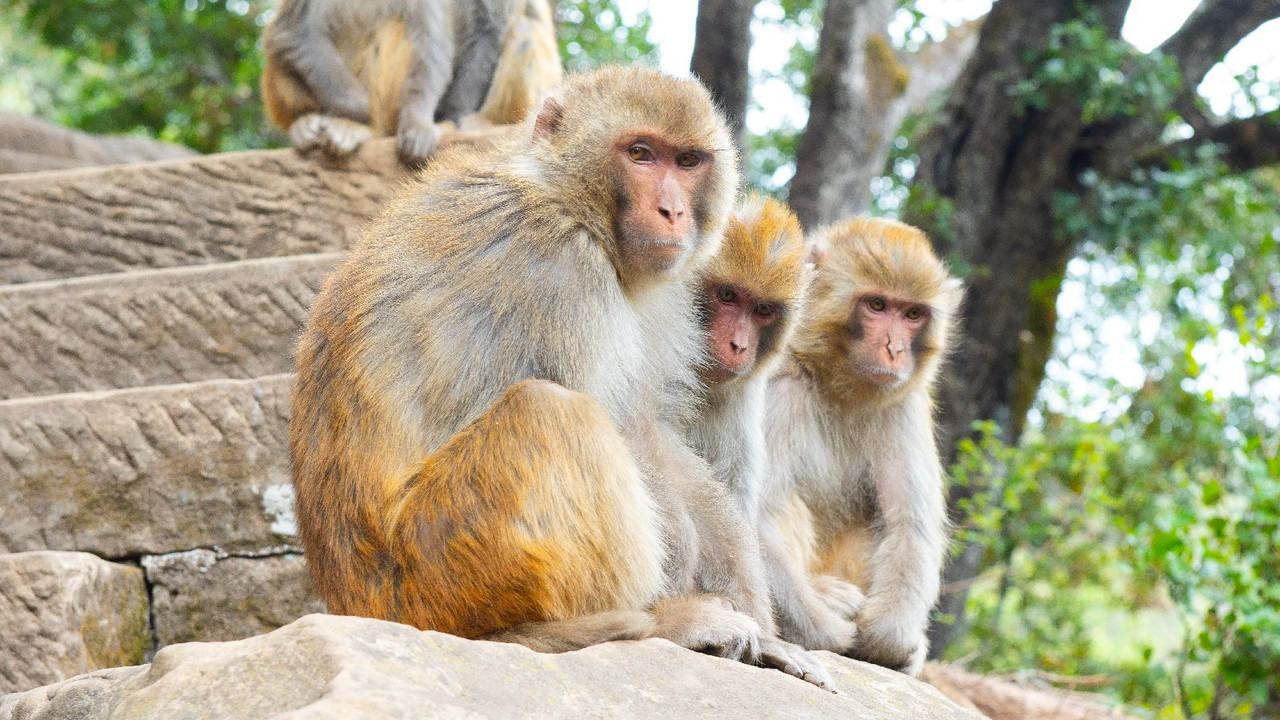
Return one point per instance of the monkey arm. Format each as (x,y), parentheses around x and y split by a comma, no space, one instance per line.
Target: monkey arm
(313,58)
(472,75)
(905,570)
(803,616)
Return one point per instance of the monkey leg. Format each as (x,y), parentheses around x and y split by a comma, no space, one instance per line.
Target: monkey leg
(535,512)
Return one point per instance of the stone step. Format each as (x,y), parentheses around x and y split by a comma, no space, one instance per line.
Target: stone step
(156,327)
(148,471)
(67,613)
(208,596)
(231,206)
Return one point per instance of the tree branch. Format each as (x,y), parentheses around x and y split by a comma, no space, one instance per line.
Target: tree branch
(1212,30)
(1247,143)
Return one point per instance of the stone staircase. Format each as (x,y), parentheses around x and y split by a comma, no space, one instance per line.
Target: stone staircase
(148,315)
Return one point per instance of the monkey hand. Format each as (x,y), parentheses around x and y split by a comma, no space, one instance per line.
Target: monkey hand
(844,598)
(708,624)
(794,660)
(891,642)
(415,142)
(335,138)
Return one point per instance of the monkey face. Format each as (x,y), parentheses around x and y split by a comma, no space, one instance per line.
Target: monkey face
(739,328)
(886,331)
(659,184)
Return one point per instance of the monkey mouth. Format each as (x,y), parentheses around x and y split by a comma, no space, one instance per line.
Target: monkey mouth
(883,376)
(715,373)
(661,254)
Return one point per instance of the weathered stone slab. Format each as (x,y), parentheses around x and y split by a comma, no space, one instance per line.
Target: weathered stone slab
(148,471)
(231,206)
(65,613)
(156,327)
(324,666)
(209,596)
(59,147)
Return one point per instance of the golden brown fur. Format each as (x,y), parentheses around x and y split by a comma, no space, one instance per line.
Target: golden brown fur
(854,491)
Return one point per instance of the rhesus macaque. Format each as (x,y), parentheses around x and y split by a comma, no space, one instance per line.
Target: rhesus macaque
(751,294)
(485,427)
(337,73)
(854,490)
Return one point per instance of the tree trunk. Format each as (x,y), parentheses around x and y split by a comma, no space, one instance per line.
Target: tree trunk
(720,52)
(855,77)
(861,91)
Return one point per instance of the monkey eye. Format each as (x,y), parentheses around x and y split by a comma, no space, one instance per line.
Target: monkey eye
(915,313)
(877,304)
(640,153)
(766,310)
(689,159)
(726,294)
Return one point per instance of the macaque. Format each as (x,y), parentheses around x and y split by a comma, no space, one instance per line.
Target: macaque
(485,431)
(751,295)
(854,488)
(339,73)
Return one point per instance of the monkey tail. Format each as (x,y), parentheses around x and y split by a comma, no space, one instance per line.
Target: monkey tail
(557,636)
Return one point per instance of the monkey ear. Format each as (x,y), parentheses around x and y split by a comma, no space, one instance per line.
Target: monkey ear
(549,118)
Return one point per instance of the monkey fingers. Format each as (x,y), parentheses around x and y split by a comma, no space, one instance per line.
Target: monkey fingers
(336,138)
(707,624)
(844,598)
(794,660)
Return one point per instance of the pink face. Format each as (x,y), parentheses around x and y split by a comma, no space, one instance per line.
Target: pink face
(737,325)
(885,330)
(657,226)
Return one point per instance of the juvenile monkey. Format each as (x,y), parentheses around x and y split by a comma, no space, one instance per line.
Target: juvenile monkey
(854,491)
(750,297)
(338,73)
(485,424)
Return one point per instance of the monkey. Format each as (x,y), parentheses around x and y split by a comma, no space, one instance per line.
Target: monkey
(853,495)
(336,74)
(485,423)
(751,294)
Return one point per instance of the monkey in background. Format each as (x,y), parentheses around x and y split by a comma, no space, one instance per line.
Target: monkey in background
(854,490)
(337,73)
(485,425)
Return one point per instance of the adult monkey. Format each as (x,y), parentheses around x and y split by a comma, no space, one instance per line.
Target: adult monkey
(854,492)
(337,73)
(483,435)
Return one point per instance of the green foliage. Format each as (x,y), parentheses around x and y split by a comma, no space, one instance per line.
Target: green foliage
(1143,544)
(185,71)
(592,33)
(771,155)
(1106,76)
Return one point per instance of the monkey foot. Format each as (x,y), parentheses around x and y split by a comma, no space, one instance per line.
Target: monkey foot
(708,624)
(334,137)
(415,143)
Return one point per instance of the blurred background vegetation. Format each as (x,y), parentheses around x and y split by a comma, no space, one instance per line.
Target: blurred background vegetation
(1128,533)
